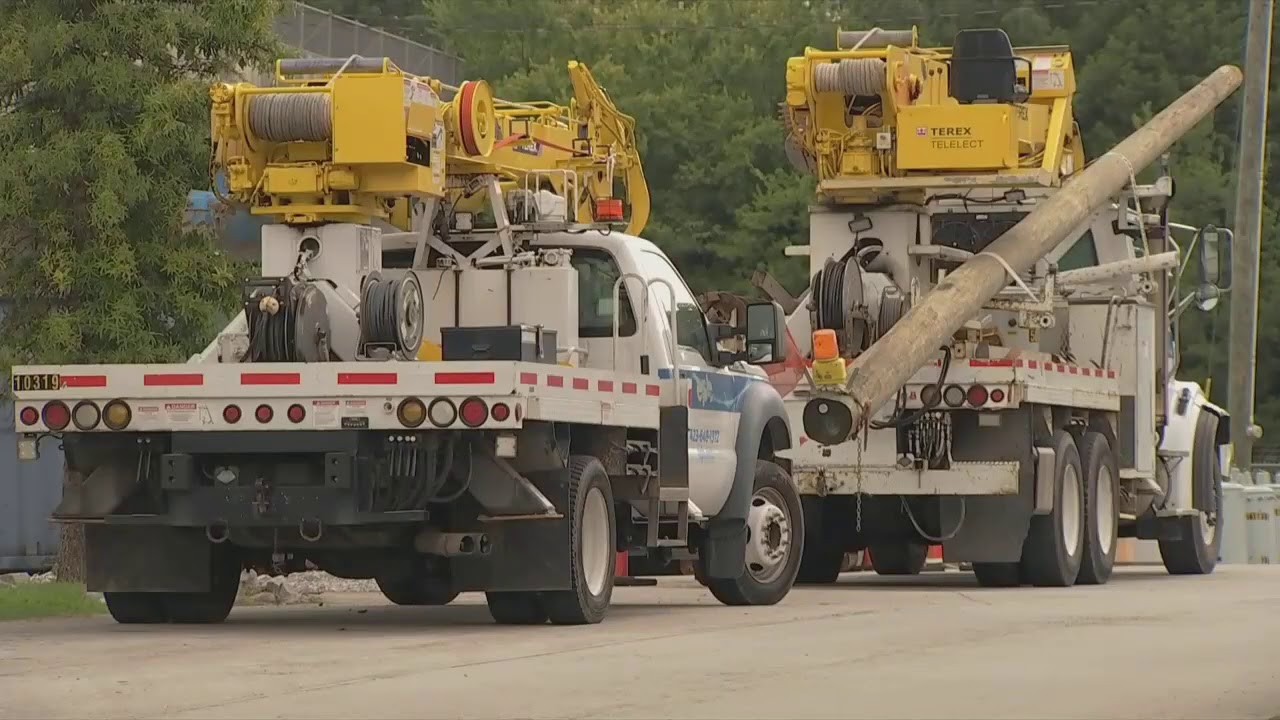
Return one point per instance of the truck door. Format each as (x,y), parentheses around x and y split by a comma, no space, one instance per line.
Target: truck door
(714,394)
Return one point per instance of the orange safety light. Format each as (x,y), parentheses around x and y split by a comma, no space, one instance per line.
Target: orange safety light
(825,346)
(608,209)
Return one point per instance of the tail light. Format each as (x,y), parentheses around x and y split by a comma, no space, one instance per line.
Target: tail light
(500,412)
(231,414)
(296,413)
(411,412)
(953,396)
(997,395)
(29,416)
(86,415)
(264,413)
(473,412)
(930,396)
(442,412)
(56,415)
(117,415)
(977,396)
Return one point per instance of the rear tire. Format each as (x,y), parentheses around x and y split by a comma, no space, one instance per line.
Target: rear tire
(1052,552)
(1199,542)
(907,558)
(775,542)
(593,547)
(823,556)
(996,574)
(1102,519)
(136,608)
(214,605)
(516,608)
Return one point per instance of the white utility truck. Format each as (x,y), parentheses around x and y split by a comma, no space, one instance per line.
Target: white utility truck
(429,385)
(1027,438)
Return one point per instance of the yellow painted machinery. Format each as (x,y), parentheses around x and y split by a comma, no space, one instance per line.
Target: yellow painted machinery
(357,140)
(883,117)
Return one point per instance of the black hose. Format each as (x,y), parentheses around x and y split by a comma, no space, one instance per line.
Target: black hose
(898,420)
(380,320)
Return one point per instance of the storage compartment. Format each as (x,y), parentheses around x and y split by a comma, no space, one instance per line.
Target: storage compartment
(523,343)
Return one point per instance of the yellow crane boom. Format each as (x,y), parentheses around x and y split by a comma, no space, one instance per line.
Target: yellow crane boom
(358,139)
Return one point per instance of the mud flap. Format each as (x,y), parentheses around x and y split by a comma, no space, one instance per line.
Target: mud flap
(146,559)
(530,554)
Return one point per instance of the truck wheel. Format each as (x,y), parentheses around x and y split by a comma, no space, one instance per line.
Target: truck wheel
(136,608)
(515,608)
(1055,542)
(593,548)
(823,556)
(996,574)
(1195,552)
(899,558)
(1102,521)
(213,606)
(775,542)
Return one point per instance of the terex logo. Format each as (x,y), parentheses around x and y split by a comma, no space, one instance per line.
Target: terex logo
(951,131)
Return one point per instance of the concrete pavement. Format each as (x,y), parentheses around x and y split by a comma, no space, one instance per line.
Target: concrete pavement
(1146,645)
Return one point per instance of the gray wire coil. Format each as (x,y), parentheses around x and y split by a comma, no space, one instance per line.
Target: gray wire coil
(861,76)
(291,117)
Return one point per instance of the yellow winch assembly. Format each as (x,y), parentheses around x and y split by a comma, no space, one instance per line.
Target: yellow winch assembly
(884,117)
(353,140)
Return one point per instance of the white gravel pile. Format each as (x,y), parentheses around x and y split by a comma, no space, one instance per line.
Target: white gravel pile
(295,589)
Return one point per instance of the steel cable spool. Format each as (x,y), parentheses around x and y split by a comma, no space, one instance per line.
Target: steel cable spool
(291,117)
(391,309)
(860,76)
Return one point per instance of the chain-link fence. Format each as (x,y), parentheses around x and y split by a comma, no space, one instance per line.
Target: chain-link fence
(320,33)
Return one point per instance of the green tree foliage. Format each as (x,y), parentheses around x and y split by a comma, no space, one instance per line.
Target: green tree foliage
(104,125)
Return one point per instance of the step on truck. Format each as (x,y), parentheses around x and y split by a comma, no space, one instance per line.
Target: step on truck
(1035,426)
(460,370)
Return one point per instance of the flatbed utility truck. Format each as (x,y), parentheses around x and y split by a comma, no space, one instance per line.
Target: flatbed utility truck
(986,358)
(455,373)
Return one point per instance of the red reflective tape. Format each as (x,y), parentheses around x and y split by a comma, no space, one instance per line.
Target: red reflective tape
(172,379)
(652,390)
(368,378)
(1033,364)
(629,388)
(1062,368)
(84,381)
(581,384)
(464,378)
(1072,370)
(555,380)
(605,385)
(270,378)
(527,378)
(1111,374)
(990,363)
(1017,363)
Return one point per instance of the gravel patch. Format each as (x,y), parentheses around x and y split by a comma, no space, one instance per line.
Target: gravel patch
(295,589)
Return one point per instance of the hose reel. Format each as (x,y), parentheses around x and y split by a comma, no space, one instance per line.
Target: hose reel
(288,321)
(391,313)
(838,304)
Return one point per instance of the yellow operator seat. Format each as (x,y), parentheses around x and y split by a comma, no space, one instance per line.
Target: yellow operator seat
(882,118)
(357,139)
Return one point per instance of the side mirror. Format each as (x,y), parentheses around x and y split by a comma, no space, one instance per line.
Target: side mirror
(766,334)
(1213,248)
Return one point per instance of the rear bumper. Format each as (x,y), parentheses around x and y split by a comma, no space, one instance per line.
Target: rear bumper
(964,478)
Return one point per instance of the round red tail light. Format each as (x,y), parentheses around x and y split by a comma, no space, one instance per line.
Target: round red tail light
(297,413)
(977,396)
(500,412)
(29,416)
(56,415)
(997,395)
(264,413)
(473,412)
(231,414)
